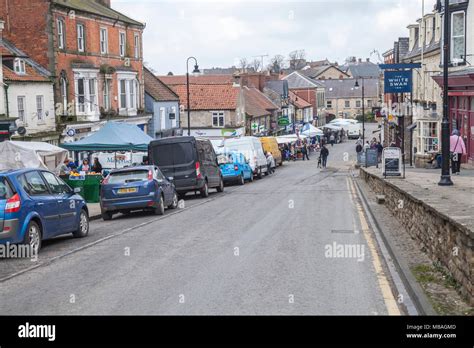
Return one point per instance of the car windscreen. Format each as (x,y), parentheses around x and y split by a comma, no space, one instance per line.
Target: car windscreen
(128,176)
(6,191)
(173,154)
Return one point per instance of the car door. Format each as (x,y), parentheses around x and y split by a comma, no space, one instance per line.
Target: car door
(66,208)
(45,204)
(213,171)
(165,185)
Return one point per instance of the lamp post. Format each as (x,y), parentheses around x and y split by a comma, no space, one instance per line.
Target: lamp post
(195,71)
(363,107)
(445,175)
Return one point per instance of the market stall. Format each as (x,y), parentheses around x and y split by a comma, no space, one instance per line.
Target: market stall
(30,154)
(113,137)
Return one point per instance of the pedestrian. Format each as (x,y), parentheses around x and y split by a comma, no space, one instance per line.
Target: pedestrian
(366,146)
(332,139)
(359,148)
(457,149)
(270,162)
(379,148)
(64,169)
(96,166)
(324,156)
(304,150)
(84,167)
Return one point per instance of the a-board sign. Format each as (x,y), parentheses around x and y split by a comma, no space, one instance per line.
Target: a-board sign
(392,161)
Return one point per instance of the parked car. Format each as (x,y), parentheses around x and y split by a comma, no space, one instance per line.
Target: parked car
(235,168)
(137,188)
(270,144)
(36,205)
(252,149)
(190,161)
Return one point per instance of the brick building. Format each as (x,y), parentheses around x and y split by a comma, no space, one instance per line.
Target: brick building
(94,54)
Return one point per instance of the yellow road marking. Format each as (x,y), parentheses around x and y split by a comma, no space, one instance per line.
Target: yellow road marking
(390,301)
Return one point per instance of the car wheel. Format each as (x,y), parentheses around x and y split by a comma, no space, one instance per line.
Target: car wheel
(174,204)
(33,236)
(106,215)
(220,188)
(160,208)
(205,191)
(83,229)
(241,179)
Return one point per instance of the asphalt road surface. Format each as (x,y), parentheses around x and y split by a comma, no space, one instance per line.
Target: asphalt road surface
(269,247)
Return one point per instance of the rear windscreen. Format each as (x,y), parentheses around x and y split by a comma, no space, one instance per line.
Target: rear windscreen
(131,176)
(172,154)
(6,191)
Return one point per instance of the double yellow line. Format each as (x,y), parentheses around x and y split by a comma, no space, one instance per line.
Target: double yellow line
(384,284)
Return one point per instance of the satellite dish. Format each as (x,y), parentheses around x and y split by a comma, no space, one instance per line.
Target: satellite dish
(21,130)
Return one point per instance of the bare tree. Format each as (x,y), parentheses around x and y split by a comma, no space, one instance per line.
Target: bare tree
(255,64)
(277,64)
(297,59)
(243,64)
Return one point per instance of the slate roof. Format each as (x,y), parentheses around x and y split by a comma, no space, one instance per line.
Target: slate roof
(362,69)
(157,89)
(344,88)
(94,7)
(256,103)
(296,80)
(278,86)
(34,71)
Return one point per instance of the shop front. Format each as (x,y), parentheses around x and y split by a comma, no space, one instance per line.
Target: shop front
(461,107)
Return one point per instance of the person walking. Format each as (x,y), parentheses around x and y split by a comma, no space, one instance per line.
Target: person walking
(366,146)
(324,156)
(304,151)
(457,149)
(379,148)
(332,139)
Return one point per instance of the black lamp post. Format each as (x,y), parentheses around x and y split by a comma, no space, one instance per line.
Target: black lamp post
(363,107)
(445,175)
(195,71)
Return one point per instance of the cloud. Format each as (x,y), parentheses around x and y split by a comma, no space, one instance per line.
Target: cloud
(219,32)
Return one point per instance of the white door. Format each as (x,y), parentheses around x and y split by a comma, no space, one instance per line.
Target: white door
(163,118)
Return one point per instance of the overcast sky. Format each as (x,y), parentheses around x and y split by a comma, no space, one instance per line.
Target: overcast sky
(219,32)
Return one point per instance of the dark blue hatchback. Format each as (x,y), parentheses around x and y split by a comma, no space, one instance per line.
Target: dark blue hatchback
(137,188)
(36,205)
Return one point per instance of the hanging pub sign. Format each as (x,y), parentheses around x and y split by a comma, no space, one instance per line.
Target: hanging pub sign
(398,81)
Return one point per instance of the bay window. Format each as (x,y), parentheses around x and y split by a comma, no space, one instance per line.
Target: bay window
(85,83)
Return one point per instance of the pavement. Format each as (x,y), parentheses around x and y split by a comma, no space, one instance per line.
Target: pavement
(455,202)
(269,247)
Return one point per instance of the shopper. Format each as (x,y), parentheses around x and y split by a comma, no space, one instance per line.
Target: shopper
(457,148)
(84,167)
(324,156)
(97,166)
(304,151)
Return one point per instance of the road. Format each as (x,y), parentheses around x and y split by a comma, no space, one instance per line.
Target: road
(262,248)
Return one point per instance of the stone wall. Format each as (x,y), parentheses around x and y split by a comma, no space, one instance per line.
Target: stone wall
(442,238)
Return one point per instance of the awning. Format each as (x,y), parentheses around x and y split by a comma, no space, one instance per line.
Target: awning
(114,136)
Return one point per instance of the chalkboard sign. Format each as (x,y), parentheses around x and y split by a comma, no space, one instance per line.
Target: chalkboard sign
(391,161)
(372,157)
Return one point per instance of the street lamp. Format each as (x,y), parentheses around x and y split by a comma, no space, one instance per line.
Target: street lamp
(363,107)
(445,175)
(195,71)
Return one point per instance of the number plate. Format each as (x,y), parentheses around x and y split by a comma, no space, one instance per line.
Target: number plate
(128,190)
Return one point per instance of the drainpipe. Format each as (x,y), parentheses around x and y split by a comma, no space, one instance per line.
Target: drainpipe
(7,108)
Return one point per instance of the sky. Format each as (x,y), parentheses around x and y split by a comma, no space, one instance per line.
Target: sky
(221,32)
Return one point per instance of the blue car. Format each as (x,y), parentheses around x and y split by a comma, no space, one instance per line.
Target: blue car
(235,168)
(36,205)
(137,188)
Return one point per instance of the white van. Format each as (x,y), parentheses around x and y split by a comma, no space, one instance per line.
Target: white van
(352,128)
(252,149)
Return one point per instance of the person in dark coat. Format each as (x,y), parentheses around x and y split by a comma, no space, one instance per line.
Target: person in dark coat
(96,166)
(324,156)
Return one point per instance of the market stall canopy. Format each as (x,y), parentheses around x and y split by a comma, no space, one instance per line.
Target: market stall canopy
(332,127)
(114,136)
(31,154)
(311,131)
(291,138)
